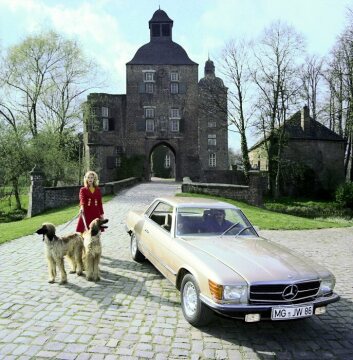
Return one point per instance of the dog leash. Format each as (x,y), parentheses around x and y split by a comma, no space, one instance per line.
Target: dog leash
(75,217)
(84,220)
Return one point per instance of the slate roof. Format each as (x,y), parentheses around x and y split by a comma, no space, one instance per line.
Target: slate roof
(165,52)
(316,131)
(160,16)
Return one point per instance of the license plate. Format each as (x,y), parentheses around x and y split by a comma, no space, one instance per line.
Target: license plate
(291,312)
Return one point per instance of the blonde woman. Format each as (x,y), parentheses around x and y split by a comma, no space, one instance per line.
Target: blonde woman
(91,206)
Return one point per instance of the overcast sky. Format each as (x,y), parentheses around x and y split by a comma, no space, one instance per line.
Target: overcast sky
(111,31)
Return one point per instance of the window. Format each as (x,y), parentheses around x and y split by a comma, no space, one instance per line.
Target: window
(94,110)
(105,124)
(149,76)
(212,141)
(212,124)
(118,161)
(150,125)
(149,87)
(174,76)
(174,125)
(167,161)
(108,124)
(174,88)
(212,160)
(165,30)
(105,111)
(174,113)
(149,113)
(156,31)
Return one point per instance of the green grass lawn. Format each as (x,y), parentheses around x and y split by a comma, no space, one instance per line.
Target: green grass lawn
(270,220)
(16,229)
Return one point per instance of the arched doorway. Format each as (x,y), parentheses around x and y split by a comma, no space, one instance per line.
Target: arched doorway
(162,161)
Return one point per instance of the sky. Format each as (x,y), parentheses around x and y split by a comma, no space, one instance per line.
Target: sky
(111,31)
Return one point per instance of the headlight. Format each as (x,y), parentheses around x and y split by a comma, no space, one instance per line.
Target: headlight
(236,293)
(327,285)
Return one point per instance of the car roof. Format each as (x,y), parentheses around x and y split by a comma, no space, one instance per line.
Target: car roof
(180,201)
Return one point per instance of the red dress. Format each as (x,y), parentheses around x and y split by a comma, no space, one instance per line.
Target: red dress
(92,207)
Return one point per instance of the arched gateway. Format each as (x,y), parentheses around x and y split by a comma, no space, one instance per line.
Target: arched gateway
(164,104)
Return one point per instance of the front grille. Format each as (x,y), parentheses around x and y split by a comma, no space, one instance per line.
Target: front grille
(273,293)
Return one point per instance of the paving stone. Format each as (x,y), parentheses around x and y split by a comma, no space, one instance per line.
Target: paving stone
(134,313)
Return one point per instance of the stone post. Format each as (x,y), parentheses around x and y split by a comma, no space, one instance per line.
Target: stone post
(255,188)
(36,200)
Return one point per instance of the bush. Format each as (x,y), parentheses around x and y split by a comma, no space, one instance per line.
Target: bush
(344,195)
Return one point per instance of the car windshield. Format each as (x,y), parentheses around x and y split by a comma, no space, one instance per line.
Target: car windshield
(196,221)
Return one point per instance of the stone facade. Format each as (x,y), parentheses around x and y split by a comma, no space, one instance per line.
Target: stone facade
(252,193)
(311,144)
(163,105)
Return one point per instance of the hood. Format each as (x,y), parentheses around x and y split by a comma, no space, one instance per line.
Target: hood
(257,259)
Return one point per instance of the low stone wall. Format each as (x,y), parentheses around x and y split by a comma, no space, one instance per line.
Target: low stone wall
(44,198)
(251,194)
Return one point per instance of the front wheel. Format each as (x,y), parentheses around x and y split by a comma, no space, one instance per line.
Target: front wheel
(195,312)
(136,254)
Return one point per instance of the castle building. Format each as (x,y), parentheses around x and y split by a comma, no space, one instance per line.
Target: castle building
(165,105)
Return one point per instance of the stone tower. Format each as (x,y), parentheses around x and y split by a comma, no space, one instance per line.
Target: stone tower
(161,108)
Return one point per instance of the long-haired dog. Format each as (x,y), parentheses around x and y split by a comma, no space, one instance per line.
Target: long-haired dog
(93,248)
(57,247)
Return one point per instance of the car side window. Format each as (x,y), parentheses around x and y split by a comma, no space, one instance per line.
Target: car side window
(162,215)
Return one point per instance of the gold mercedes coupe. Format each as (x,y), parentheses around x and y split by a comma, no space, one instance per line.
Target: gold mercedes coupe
(210,251)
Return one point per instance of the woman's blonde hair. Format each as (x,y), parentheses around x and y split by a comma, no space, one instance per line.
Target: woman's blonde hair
(95,179)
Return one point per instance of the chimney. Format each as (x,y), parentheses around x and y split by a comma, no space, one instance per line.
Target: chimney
(305,119)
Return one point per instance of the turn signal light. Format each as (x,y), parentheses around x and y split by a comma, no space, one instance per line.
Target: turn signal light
(216,290)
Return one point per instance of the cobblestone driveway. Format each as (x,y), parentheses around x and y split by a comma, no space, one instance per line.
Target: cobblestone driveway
(134,313)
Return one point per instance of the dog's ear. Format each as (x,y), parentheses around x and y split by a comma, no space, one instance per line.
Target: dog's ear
(43,230)
(94,228)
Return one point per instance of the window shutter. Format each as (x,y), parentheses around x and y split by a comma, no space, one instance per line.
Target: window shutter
(182,88)
(142,88)
(141,125)
(111,124)
(181,125)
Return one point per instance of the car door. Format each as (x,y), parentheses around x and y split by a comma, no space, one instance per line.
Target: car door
(157,237)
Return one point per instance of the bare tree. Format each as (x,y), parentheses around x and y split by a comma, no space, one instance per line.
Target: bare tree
(311,74)
(276,76)
(234,65)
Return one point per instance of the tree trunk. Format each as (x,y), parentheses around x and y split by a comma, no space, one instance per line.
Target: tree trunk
(17,193)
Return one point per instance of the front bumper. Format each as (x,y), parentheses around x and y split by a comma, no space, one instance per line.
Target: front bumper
(239,311)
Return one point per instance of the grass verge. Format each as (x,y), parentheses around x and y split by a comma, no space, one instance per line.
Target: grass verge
(16,229)
(270,220)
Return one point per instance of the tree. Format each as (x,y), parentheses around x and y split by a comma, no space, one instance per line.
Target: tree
(235,67)
(44,78)
(311,74)
(275,73)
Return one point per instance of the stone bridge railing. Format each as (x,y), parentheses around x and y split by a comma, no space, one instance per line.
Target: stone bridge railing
(252,193)
(43,198)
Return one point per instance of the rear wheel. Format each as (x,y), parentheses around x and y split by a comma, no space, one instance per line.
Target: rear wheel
(136,254)
(195,312)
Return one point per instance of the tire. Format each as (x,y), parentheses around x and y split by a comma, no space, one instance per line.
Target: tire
(194,311)
(136,254)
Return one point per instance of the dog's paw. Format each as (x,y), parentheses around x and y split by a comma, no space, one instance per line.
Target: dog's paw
(63,282)
(79,273)
(90,278)
(72,272)
(51,281)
